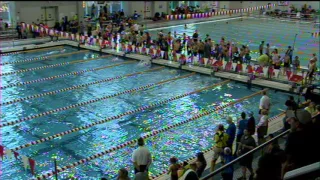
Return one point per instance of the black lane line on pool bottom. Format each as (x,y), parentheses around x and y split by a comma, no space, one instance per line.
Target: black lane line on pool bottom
(108,119)
(92,101)
(76,87)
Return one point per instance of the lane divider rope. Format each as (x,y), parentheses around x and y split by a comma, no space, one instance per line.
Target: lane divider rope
(207,150)
(76,87)
(92,101)
(141,108)
(42,58)
(153,133)
(64,75)
(52,66)
(30,50)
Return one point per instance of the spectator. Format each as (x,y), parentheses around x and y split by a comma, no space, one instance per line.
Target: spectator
(261,46)
(190,173)
(311,109)
(228,172)
(289,53)
(274,149)
(201,163)
(262,127)
(231,131)
(19,30)
(246,144)
(141,158)
(173,169)
(269,167)
(251,123)
(123,174)
(242,125)
(316,118)
(300,147)
(264,102)
(220,139)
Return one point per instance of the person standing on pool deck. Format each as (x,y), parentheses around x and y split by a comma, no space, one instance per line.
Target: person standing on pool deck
(264,102)
(261,48)
(242,125)
(289,52)
(141,158)
(220,138)
(268,49)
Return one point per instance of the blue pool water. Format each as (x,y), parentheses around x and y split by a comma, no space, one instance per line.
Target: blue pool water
(183,141)
(279,34)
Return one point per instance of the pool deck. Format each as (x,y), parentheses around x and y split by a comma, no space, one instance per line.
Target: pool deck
(202,70)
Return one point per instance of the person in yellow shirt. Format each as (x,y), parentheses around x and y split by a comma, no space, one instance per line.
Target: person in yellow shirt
(312,109)
(220,139)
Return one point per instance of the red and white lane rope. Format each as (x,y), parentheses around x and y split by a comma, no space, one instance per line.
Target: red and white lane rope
(141,108)
(76,87)
(153,133)
(91,101)
(43,58)
(207,150)
(51,66)
(64,75)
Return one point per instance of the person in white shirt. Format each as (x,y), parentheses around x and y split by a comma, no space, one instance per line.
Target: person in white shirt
(264,102)
(262,127)
(141,158)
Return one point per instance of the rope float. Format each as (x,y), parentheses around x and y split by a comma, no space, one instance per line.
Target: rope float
(52,66)
(207,150)
(92,101)
(76,87)
(153,133)
(25,51)
(64,75)
(42,58)
(141,108)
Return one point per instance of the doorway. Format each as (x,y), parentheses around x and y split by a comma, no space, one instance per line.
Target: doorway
(147,9)
(49,15)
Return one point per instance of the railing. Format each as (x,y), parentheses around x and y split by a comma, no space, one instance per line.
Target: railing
(258,150)
(310,171)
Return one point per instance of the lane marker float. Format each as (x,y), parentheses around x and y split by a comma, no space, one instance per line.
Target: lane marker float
(64,75)
(76,87)
(141,108)
(30,50)
(42,58)
(153,133)
(52,66)
(92,101)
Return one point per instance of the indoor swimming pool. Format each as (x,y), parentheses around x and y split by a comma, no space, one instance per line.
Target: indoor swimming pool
(73,88)
(251,31)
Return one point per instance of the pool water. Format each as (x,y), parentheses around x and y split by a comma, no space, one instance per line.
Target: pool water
(182,141)
(251,31)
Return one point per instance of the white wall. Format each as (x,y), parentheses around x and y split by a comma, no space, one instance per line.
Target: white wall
(235,5)
(224,4)
(160,6)
(136,6)
(30,11)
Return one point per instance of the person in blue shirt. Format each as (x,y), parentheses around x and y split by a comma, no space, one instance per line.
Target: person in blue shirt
(231,131)
(242,125)
(227,174)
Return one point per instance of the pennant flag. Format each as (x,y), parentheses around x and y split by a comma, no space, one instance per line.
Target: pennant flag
(9,153)
(1,151)
(32,164)
(25,161)
(16,154)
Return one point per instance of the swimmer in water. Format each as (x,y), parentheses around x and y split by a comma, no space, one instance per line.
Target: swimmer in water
(185,26)
(63,50)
